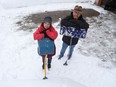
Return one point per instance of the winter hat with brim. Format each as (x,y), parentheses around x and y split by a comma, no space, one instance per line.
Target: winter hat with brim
(78,9)
(47,19)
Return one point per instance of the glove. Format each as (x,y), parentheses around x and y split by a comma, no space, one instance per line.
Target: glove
(44,32)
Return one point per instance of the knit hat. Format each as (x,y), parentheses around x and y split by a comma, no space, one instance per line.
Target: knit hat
(78,9)
(47,19)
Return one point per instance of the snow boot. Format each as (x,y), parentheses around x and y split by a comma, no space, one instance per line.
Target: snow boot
(59,58)
(49,65)
(42,66)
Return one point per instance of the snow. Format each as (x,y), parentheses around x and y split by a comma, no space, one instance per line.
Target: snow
(8,4)
(57,82)
(20,65)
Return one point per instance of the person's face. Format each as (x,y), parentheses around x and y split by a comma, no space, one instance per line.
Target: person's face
(76,15)
(46,25)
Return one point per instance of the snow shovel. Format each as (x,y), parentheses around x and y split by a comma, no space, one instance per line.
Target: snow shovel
(45,68)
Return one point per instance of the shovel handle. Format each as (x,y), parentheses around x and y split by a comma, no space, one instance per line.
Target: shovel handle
(45,67)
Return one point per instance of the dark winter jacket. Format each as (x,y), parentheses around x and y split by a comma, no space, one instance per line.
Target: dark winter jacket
(41,33)
(79,23)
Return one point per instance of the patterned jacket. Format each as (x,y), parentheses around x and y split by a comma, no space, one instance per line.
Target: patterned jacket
(79,23)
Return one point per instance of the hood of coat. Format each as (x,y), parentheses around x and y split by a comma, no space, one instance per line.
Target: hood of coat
(42,27)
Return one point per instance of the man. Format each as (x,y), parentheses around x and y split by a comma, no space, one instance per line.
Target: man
(74,20)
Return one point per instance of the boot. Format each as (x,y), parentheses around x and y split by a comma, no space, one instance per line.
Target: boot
(49,65)
(43,66)
(59,58)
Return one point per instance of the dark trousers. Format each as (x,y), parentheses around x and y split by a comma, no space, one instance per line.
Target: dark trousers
(49,60)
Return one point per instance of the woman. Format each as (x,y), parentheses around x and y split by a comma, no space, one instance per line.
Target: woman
(46,30)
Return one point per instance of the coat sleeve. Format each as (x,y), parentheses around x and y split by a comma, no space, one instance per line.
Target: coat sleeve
(37,35)
(52,33)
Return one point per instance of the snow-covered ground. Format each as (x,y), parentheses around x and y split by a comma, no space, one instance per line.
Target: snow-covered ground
(101,37)
(8,4)
(20,65)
